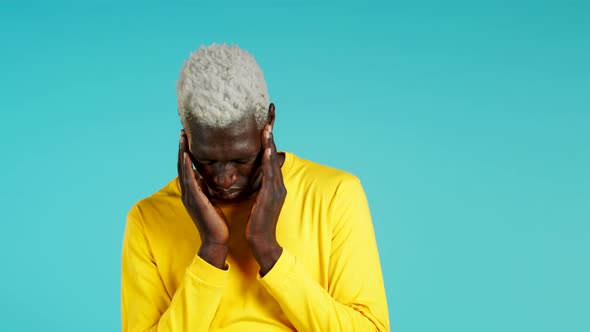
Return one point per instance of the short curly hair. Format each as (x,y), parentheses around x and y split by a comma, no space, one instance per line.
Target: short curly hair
(220,85)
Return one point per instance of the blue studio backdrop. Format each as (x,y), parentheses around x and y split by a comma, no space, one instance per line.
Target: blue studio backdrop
(468,123)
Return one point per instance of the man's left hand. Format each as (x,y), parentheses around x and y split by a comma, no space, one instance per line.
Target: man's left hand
(262,224)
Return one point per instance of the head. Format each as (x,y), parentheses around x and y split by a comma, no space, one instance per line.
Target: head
(223,105)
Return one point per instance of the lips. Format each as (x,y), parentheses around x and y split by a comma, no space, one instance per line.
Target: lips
(227,194)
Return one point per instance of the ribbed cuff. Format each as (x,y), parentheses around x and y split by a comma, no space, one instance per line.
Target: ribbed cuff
(280,271)
(207,273)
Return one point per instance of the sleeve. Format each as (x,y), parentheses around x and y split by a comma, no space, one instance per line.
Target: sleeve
(145,302)
(355,299)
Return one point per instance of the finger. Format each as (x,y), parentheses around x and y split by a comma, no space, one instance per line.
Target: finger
(267,139)
(195,182)
(266,150)
(264,139)
(180,161)
(267,169)
(190,179)
(202,184)
(274,158)
(271,144)
(187,170)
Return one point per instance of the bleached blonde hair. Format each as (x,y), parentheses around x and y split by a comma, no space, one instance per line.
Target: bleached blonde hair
(221,85)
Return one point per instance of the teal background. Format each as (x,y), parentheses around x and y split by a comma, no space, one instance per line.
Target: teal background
(468,123)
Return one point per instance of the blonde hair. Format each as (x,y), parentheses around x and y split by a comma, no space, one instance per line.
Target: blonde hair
(220,85)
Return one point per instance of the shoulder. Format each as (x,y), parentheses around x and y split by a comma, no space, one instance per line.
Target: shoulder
(157,203)
(308,175)
(160,219)
(333,194)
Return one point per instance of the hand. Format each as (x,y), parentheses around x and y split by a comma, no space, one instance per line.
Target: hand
(209,219)
(262,224)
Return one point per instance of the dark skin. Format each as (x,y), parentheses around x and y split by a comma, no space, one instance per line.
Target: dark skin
(233,164)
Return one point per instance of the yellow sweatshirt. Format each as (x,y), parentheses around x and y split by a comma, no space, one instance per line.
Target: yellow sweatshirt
(328,277)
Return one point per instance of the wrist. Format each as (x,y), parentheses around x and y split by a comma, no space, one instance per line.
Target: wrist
(266,254)
(214,254)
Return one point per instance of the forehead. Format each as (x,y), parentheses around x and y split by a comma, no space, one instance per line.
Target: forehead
(234,142)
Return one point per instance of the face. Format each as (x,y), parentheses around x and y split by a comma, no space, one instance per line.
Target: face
(228,159)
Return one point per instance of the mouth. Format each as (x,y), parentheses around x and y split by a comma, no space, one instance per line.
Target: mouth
(227,194)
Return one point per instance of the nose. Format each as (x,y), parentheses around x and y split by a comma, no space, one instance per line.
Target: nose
(225,176)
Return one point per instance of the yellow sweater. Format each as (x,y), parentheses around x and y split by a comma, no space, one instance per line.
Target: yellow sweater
(328,277)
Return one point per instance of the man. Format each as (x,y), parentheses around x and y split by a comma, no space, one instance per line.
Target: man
(247,238)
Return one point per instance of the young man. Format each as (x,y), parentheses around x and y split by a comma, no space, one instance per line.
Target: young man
(247,238)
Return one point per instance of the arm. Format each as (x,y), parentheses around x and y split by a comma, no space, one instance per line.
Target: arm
(145,302)
(355,298)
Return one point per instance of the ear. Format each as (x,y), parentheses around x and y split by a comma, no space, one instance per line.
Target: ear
(271,114)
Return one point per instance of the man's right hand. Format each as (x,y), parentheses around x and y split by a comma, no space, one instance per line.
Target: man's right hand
(209,219)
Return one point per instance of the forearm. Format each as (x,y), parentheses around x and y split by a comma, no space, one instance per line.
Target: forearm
(147,305)
(200,291)
(309,307)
